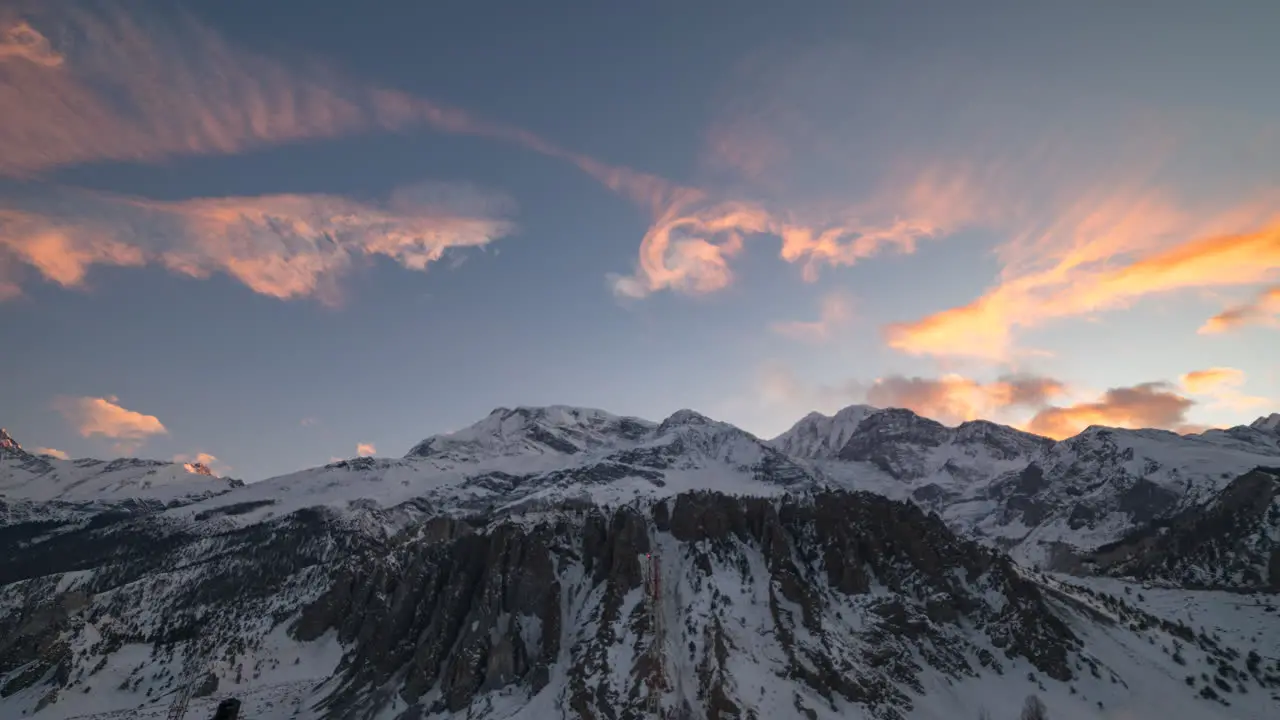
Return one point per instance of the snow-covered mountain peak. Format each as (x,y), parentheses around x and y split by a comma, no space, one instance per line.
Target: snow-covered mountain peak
(822,436)
(685,417)
(1270,423)
(555,429)
(199,468)
(8,443)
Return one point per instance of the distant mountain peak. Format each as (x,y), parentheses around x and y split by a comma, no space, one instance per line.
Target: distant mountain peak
(9,448)
(1270,423)
(552,429)
(684,416)
(199,468)
(818,436)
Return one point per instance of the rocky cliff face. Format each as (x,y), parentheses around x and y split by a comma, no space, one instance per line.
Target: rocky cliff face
(841,600)
(832,601)
(1233,541)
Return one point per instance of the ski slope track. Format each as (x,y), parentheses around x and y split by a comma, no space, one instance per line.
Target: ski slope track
(871,564)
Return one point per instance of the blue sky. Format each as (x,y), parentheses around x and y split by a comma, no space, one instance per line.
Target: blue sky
(272,232)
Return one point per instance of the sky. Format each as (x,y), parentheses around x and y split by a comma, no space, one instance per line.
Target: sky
(267,235)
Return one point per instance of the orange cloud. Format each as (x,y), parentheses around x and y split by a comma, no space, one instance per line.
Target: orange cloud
(103,416)
(954,399)
(52,452)
(1222,384)
(366,450)
(283,246)
(1153,405)
(1200,382)
(20,41)
(1123,258)
(1262,309)
(836,312)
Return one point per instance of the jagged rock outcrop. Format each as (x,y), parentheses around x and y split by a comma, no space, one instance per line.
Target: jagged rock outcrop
(845,588)
(1231,542)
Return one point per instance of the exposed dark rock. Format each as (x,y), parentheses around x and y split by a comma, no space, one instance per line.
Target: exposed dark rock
(1225,543)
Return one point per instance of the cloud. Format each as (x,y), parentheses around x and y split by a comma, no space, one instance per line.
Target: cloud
(103,416)
(1263,309)
(308,422)
(143,87)
(282,246)
(366,450)
(20,41)
(1110,262)
(688,247)
(52,452)
(1222,384)
(1153,405)
(1210,380)
(953,399)
(836,312)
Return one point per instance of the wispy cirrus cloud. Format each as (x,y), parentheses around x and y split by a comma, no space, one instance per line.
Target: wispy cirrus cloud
(694,236)
(835,313)
(105,417)
(142,87)
(1111,260)
(1263,309)
(282,246)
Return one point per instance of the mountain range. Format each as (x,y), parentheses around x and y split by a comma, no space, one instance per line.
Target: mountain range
(873,563)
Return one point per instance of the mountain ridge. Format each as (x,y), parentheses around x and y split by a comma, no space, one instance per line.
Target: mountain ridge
(498,572)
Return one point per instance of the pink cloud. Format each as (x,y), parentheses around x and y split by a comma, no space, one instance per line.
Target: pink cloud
(366,450)
(282,246)
(103,416)
(20,41)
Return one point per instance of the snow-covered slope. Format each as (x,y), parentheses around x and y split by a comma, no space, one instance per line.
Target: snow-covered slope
(25,476)
(831,605)
(520,458)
